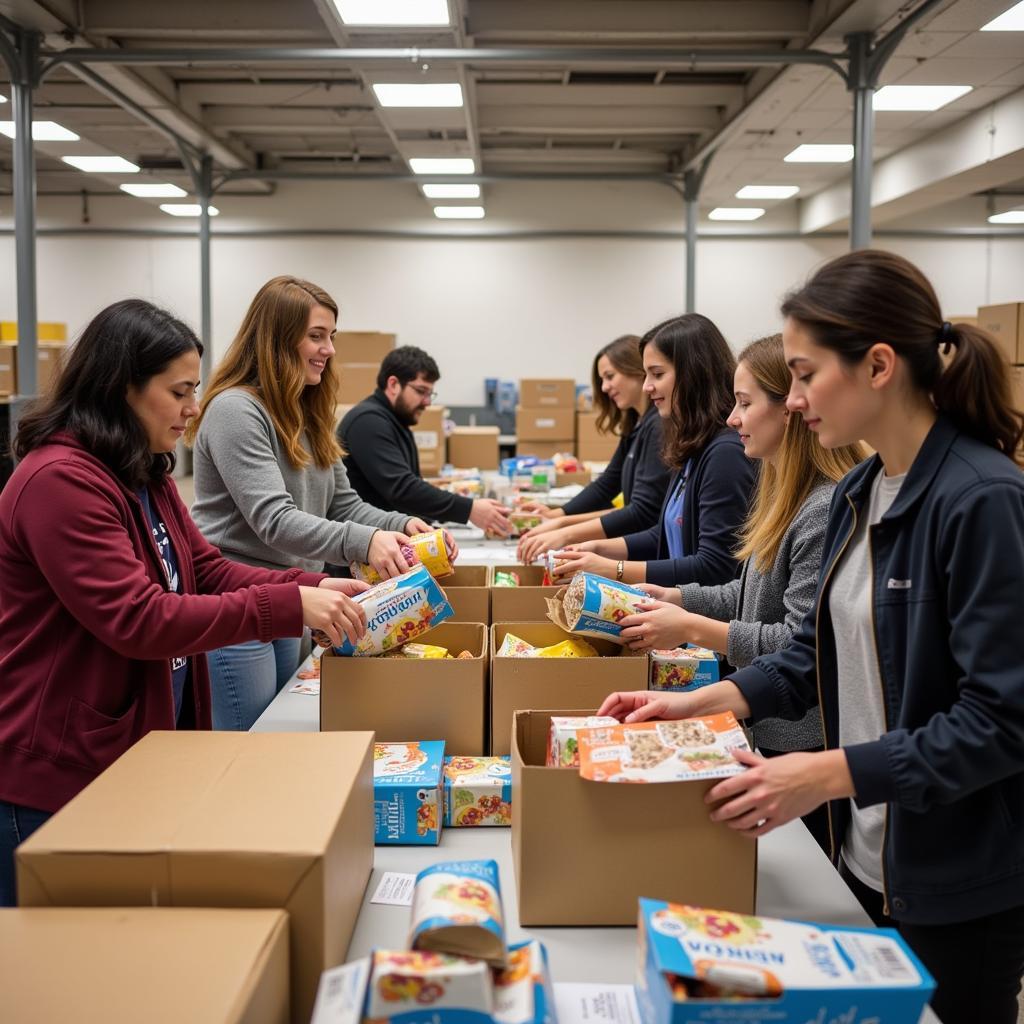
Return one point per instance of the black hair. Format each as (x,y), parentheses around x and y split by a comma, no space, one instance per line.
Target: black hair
(407,362)
(123,346)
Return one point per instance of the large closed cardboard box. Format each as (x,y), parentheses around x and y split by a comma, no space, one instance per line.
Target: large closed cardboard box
(547,393)
(48,360)
(533,424)
(429,437)
(8,370)
(356,381)
(524,603)
(520,683)
(584,852)
(469,594)
(596,451)
(473,447)
(404,699)
(219,819)
(586,428)
(1017,387)
(158,965)
(1006,324)
(362,346)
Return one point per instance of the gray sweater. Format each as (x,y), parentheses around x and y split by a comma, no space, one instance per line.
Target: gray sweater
(764,610)
(253,505)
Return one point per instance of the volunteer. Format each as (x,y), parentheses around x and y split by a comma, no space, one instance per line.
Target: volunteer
(780,545)
(688,377)
(109,594)
(270,487)
(382,458)
(913,642)
(636,469)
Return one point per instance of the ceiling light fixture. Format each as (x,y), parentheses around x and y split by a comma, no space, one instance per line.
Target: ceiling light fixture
(100,164)
(442,165)
(42,131)
(1011,20)
(767,191)
(820,154)
(393,12)
(419,94)
(918,97)
(451,191)
(187,209)
(459,212)
(154,191)
(1010,217)
(736,213)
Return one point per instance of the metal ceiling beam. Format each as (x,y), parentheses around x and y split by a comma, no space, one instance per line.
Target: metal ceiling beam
(429,179)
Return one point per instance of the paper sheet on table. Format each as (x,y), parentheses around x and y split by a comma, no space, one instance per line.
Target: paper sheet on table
(394,889)
(584,1003)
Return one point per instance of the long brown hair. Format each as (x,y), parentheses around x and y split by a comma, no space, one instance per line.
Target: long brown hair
(800,465)
(624,355)
(865,297)
(702,396)
(264,359)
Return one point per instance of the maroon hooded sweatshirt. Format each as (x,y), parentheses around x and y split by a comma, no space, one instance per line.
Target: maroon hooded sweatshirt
(88,626)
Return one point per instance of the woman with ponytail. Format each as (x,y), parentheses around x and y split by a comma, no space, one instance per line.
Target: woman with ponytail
(912,645)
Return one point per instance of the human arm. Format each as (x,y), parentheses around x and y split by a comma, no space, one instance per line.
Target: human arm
(598,494)
(347,506)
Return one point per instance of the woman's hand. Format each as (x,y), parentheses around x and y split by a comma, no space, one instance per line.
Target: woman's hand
(415,526)
(670,595)
(330,611)
(350,588)
(538,509)
(546,537)
(642,705)
(573,560)
(658,626)
(385,553)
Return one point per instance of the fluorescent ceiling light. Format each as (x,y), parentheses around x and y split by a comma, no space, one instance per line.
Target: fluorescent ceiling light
(1010,217)
(767,191)
(187,209)
(154,191)
(918,97)
(451,191)
(442,165)
(42,131)
(816,154)
(419,94)
(99,164)
(393,12)
(3,99)
(736,213)
(459,212)
(1011,20)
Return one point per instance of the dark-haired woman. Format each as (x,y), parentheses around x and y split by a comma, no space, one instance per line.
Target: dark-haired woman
(913,641)
(689,376)
(109,594)
(636,469)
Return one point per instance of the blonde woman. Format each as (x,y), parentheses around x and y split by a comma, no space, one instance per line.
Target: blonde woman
(271,489)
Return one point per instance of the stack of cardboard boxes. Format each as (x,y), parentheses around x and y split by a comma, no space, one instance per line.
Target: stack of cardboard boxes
(429,437)
(591,445)
(357,359)
(1006,324)
(545,417)
(52,340)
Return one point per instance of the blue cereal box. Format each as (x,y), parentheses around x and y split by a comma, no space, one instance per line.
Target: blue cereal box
(593,606)
(683,669)
(407,792)
(713,965)
(477,791)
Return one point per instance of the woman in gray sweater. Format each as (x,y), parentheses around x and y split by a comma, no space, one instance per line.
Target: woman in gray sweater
(780,546)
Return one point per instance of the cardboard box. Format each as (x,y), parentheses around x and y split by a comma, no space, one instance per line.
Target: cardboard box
(473,447)
(407,793)
(429,437)
(48,359)
(468,591)
(1006,324)
(356,381)
(8,370)
(362,346)
(161,965)
(586,428)
(340,412)
(962,318)
(585,852)
(596,451)
(533,424)
(221,819)
(521,683)
(568,479)
(397,698)
(1017,387)
(545,449)
(547,393)
(46,330)
(524,603)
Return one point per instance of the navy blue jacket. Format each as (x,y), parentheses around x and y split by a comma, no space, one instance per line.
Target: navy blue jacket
(714,508)
(948,568)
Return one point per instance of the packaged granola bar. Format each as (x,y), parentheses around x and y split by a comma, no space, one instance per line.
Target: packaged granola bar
(563,742)
(477,791)
(682,669)
(593,606)
(419,651)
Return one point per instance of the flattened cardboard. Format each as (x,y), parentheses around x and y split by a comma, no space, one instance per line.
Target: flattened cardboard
(162,965)
(520,683)
(544,424)
(220,819)
(524,603)
(548,393)
(397,698)
(570,836)
(469,594)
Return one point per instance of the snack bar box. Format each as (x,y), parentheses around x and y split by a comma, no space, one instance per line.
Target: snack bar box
(791,972)
(407,793)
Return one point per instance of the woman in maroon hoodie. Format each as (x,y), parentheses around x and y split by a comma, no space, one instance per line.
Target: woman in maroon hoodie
(109,595)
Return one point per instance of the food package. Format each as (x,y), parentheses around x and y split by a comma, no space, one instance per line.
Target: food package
(523,521)
(432,550)
(552,559)
(563,740)
(593,606)
(503,578)
(514,647)
(677,751)
(456,909)
(397,611)
(366,572)
(682,669)
(419,651)
(407,792)
(425,983)
(522,991)
(477,791)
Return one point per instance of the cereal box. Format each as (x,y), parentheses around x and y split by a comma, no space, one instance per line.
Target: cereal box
(398,610)
(456,908)
(407,792)
(522,991)
(422,984)
(594,606)
(477,791)
(699,965)
(563,745)
(682,669)
(690,748)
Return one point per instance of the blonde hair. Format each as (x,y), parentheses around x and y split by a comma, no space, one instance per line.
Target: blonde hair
(264,359)
(800,465)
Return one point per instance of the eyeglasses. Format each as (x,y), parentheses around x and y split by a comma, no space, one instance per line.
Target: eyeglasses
(423,392)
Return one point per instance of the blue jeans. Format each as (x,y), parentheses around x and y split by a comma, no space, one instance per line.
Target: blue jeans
(245,678)
(17,823)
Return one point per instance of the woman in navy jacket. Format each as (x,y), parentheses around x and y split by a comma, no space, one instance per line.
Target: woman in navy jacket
(689,372)
(912,646)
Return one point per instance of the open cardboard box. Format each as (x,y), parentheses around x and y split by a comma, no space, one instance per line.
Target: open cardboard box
(221,819)
(468,594)
(403,699)
(525,603)
(585,852)
(518,683)
(160,965)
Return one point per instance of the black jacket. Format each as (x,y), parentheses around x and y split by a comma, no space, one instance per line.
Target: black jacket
(948,569)
(715,506)
(637,471)
(384,466)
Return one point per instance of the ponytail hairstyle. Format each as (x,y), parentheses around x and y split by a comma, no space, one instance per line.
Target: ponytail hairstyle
(802,464)
(624,355)
(264,360)
(871,296)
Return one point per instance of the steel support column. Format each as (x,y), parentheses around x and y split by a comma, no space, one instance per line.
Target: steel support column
(692,181)
(862,81)
(204,192)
